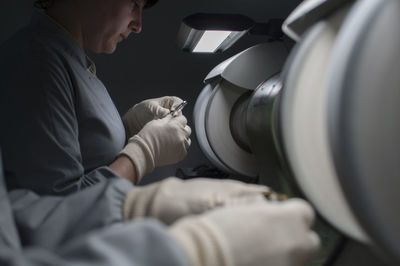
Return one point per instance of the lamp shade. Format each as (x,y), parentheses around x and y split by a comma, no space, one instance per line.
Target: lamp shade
(212,33)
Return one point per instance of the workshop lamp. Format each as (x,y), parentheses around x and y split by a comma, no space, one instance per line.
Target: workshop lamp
(213,33)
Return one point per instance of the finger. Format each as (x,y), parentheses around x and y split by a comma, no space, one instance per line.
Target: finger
(314,242)
(258,188)
(187,142)
(181,120)
(175,100)
(244,188)
(308,248)
(176,113)
(303,208)
(170,101)
(154,109)
(161,112)
(188,131)
(253,198)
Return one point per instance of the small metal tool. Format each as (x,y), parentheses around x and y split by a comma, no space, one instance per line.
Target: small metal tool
(177,108)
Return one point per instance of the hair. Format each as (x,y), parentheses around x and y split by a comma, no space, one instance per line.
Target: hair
(150,3)
(44,4)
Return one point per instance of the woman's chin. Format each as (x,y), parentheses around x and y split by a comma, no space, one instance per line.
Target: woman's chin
(106,49)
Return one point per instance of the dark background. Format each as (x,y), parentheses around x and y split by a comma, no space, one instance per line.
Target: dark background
(150,64)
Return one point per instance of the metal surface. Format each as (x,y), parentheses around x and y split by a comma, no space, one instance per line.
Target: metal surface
(304,128)
(175,109)
(199,114)
(307,14)
(262,129)
(217,120)
(237,121)
(252,66)
(220,110)
(364,97)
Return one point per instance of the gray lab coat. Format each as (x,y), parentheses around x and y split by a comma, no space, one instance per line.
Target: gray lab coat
(59,126)
(81,229)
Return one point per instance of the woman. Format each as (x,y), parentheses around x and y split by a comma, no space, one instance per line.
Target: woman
(62,131)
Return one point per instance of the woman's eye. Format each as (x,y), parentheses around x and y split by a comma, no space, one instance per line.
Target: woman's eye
(134,4)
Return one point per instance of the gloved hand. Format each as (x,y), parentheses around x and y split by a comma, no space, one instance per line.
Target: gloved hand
(271,233)
(146,111)
(174,198)
(161,142)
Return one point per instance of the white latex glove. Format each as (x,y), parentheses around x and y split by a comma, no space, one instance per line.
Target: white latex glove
(161,142)
(174,198)
(146,111)
(272,233)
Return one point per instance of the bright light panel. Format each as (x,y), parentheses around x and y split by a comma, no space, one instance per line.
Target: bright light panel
(210,41)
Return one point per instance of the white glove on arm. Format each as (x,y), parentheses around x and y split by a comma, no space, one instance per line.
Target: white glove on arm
(173,198)
(272,233)
(161,142)
(146,111)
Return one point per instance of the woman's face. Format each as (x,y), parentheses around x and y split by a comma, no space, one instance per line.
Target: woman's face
(110,22)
